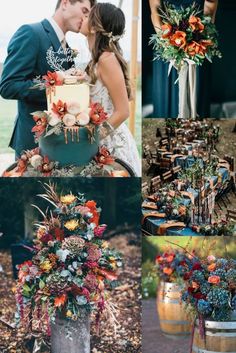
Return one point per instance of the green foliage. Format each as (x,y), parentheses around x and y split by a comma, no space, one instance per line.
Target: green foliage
(149,280)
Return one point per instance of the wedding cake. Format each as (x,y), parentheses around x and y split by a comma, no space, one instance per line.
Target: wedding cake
(67,134)
(71,137)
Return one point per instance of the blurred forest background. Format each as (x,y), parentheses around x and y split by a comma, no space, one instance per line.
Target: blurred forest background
(119,199)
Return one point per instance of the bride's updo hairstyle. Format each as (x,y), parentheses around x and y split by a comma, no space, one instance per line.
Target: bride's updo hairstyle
(107,23)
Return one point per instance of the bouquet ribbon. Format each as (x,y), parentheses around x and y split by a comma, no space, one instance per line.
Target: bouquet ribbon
(187,89)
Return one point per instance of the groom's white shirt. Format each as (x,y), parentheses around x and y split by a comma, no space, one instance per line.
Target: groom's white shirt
(60,34)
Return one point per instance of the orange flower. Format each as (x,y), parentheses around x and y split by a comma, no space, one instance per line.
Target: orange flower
(211,267)
(104,157)
(59,301)
(91,204)
(21,166)
(97,114)
(170,258)
(178,39)
(111,276)
(166,29)
(60,108)
(159,259)
(41,124)
(206,42)
(196,24)
(167,271)
(214,279)
(52,79)
(196,48)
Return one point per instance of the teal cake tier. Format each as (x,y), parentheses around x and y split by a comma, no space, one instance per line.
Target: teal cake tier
(77,151)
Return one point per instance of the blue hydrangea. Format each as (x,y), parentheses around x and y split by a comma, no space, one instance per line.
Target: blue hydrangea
(219,272)
(185,296)
(231,276)
(233,302)
(198,276)
(180,270)
(205,288)
(218,297)
(222,314)
(222,263)
(204,307)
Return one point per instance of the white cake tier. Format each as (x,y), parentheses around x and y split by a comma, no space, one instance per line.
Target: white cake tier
(67,93)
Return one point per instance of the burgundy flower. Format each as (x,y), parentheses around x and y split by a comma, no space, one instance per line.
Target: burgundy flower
(199,295)
(46,238)
(197,266)
(187,275)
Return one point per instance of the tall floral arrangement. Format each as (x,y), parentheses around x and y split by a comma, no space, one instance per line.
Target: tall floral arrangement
(72,267)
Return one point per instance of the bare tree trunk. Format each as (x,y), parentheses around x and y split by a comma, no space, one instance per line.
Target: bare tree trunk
(110,204)
(29,219)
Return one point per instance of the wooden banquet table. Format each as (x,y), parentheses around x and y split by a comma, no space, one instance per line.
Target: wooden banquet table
(155,221)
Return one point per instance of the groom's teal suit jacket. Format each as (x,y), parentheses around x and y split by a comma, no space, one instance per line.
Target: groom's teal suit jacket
(25,61)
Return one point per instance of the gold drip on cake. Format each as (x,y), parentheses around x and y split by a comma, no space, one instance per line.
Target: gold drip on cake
(73,131)
(49,91)
(91,132)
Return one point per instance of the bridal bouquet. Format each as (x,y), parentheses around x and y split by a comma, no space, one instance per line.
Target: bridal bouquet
(172,266)
(186,34)
(72,267)
(211,288)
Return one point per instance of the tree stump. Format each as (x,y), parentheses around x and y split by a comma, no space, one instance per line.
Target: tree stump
(71,336)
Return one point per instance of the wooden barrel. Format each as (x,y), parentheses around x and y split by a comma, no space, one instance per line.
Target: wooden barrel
(173,319)
(219,337)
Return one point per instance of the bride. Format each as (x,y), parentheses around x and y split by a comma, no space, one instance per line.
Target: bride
(108,74)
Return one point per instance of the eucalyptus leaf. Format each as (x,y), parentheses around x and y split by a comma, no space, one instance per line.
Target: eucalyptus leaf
(65,273)
(41,284)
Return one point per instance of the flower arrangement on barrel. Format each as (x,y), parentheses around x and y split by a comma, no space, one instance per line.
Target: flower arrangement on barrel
(72,268)
(211,288)
(171,268)
(187,38)
(201,291)
(210,297)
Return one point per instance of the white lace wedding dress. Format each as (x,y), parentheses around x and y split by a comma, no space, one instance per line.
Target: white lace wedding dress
(120,143)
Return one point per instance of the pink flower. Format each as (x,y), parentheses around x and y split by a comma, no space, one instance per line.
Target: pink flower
(90,281)
(83,210)
(91,264)
(94,253)
(211,258)
(99,230)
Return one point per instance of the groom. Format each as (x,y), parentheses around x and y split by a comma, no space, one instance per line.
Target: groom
(27,59)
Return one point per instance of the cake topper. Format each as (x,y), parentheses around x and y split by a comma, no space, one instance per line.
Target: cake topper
(56,59)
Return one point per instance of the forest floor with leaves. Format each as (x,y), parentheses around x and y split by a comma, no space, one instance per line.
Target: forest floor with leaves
(126,297)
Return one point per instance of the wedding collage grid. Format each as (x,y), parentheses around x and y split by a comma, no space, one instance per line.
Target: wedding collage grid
(118,176)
